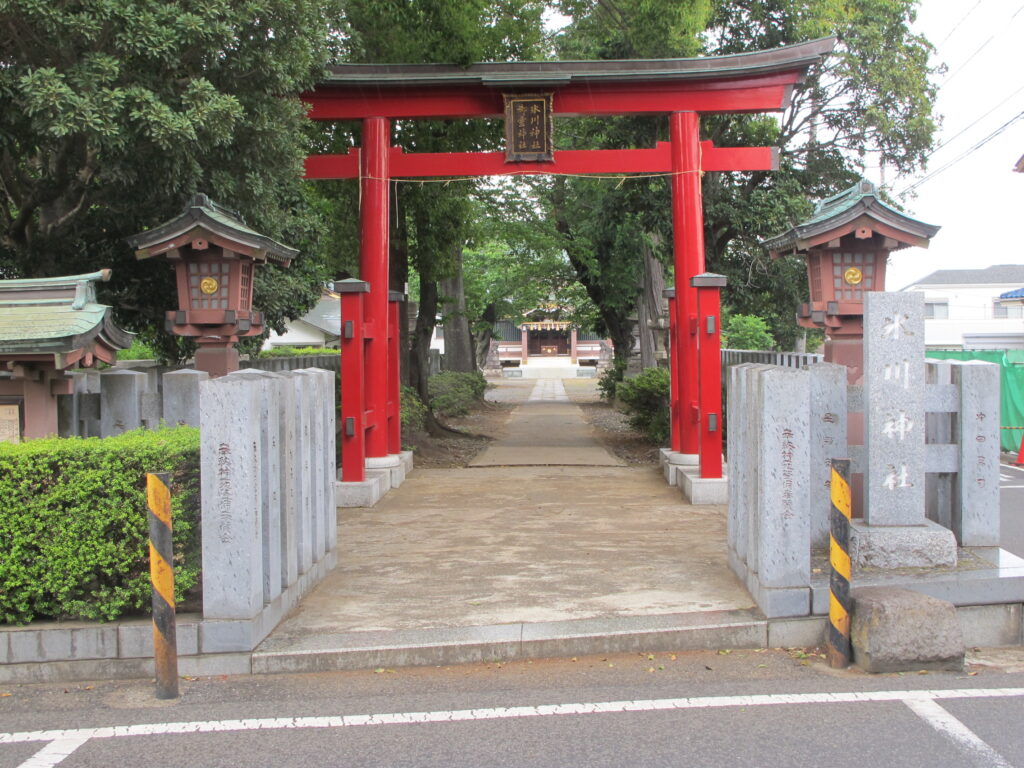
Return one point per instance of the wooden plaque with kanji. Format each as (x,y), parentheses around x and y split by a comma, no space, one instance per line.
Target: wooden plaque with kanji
(528,128)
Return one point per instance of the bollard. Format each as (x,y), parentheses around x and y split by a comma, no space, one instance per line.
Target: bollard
(161,573)
(839,555)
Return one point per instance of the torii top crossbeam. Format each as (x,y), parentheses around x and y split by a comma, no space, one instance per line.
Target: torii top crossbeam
(529,95)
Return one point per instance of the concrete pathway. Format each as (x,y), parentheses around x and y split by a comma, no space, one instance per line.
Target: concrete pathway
(545,526)
(547,430)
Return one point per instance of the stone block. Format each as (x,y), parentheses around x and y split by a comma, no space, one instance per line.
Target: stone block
(797,633)
(990,626)
(288,483)
(927,545)
(899,630)
(783,505)
(976,515)
(135,638)
(121,401)
(302,467)
(314,397)
(736,524)
(700,491)
(362,494)
(785,602)
(828,441)
(62,643)
(5,647)
(181,396)
(894,416)
(230,440)
(232,636)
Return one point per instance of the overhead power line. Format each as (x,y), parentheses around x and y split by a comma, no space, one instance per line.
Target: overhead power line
(962,20)
(981,47)
(973,123)
(962,156)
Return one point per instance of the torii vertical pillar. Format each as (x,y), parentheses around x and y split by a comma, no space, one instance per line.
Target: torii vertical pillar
(373,269)
(688,253)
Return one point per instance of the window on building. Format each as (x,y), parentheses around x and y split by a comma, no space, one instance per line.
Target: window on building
(936,310)
(1002,311)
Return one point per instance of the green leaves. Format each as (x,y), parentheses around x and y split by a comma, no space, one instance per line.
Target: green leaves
(73,524)
(113,112)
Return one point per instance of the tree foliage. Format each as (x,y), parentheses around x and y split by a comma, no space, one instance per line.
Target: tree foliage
(113,112)
(872,97)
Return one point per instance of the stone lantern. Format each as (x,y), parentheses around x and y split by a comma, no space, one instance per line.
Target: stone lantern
(846,244)
(215,256)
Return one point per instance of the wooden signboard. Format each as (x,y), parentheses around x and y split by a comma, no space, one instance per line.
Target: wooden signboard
(528,128)
(10,424)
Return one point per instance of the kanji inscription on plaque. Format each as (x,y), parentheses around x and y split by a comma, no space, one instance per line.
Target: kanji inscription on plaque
(10,424)
(528,128)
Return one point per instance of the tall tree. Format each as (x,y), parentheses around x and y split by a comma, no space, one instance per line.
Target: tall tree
(607,226)
(430,222)
(113,112)
(873,96)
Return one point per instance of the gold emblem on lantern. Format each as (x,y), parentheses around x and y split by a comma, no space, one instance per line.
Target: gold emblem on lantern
(209,285)
(853,276)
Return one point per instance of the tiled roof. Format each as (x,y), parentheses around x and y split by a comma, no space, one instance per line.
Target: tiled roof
(840,209)
(1015,294)
(202,213)
(55,315)
(998,274)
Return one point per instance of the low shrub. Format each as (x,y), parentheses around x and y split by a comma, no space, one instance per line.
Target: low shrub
(453,393)
(646,400)
(137,351)
(413,410)
(296,351)
(747,332)
(73,523)
(608,381)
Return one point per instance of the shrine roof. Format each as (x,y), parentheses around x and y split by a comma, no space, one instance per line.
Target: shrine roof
(997,274)
(515,74)
(204,214)
(842,209)
(56,315)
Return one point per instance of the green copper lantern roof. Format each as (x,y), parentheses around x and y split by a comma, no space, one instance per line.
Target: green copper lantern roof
(202,216)
(862,199)
(56,315)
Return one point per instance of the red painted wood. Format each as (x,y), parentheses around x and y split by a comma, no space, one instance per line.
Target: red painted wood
(583,161)
(373,269)
(752,94)
(394,382)
(709,308)
(673,352)
(353,396)
(688,251)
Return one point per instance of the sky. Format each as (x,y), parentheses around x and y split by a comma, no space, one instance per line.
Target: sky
(978,201)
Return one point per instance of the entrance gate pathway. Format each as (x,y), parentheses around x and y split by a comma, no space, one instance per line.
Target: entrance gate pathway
(545,532)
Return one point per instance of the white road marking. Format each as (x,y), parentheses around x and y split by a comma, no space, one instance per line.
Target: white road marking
(63,742)
(53,753)
(949,726)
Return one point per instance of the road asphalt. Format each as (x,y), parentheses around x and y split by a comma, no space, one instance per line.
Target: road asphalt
(752,708)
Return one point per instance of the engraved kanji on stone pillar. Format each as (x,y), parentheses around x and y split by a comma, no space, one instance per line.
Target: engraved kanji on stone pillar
(894,434)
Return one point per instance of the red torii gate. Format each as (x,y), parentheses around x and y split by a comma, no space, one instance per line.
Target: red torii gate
(680,88)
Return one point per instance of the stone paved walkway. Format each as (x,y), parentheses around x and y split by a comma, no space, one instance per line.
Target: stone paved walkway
(551,527)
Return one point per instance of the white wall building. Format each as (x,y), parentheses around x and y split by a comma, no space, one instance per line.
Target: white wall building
(963,310)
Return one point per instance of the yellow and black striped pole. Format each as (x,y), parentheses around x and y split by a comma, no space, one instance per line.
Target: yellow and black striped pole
(839,605)
(161,573)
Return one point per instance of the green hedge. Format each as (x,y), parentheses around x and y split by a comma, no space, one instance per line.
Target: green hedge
(645,398)
(453,393)
(73,526)
(297,351)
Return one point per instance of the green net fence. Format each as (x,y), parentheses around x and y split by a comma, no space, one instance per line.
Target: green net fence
(1011,382)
